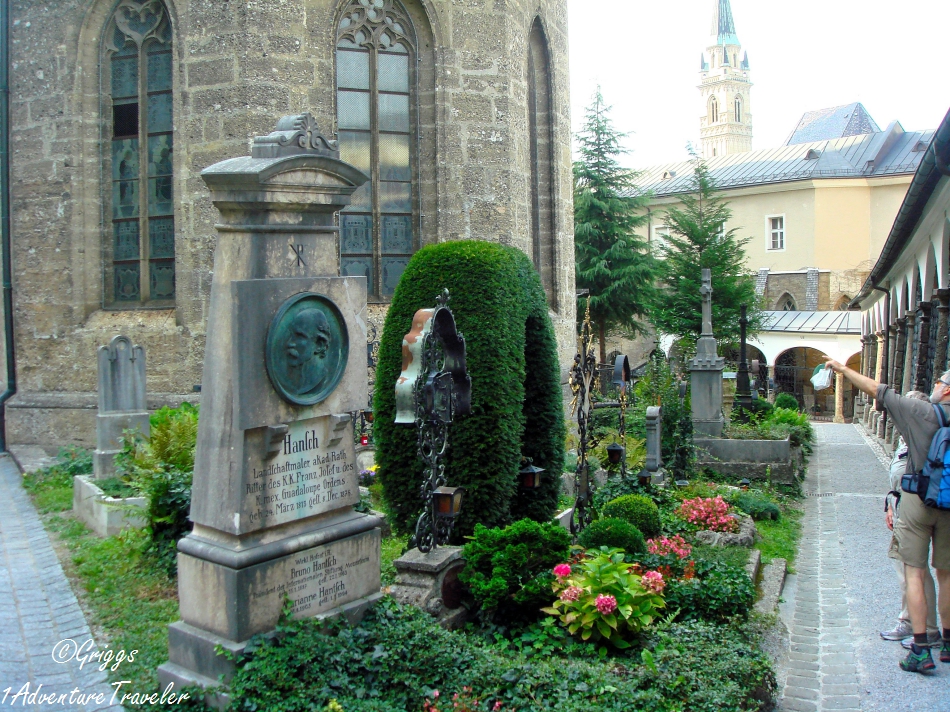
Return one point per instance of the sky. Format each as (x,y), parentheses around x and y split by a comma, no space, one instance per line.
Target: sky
(803,55)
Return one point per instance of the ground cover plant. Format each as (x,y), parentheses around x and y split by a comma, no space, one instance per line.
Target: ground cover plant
(500,307)
(399,659)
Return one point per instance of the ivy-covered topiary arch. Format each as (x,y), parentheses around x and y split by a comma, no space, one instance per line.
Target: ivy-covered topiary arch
(500,307)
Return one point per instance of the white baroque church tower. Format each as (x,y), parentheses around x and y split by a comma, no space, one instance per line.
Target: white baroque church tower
(726,123)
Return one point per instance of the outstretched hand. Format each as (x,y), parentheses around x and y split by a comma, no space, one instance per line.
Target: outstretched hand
(835,366)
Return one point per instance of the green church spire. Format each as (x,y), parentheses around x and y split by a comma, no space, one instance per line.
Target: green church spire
(723,28)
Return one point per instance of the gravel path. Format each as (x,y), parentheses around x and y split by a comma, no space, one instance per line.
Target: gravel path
(846,592)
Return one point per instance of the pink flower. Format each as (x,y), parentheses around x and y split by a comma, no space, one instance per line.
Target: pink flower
(562,571)
(653,581)
(669,545)
(606,604)
(571,593)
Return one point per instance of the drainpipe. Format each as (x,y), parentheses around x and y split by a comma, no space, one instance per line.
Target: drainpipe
(5,231)
(885,355)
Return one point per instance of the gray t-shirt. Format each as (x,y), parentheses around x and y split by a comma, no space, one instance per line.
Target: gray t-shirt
(915,420)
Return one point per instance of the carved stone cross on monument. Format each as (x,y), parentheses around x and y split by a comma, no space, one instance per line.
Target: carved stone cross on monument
(706,372)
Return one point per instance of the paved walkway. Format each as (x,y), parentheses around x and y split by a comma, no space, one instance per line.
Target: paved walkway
(37,611)
(846,591)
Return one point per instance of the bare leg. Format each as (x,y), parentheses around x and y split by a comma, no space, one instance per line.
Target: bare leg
(943,602)
(930,592)
(917,600)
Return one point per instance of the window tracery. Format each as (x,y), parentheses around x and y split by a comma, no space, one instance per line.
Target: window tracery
(738,109)
(713,110)
(140,257)
(375,119)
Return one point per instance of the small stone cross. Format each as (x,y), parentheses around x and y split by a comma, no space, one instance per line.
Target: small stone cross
(706,291)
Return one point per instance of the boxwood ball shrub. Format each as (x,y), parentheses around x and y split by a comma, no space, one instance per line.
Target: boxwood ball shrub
(613,533)
(517,411)
(638,510)
(786,400)
(509,571)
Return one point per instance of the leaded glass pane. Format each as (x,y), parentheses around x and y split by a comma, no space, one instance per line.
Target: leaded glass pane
(355,149)
(397,234)
(159,113)
(160,155)
(127,282)
(356,233)
(362,198)
(126,235)
(160,196)
(394,112)
(161,237)
(352,70)
(393,267)
(125,77)
(125,159)
(393,72)
(125,199)
(159,71)
(353,110)
(395,197)
(162,279)
(394,157)
(358,267)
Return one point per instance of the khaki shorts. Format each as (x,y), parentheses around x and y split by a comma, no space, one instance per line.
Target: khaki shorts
(915,529)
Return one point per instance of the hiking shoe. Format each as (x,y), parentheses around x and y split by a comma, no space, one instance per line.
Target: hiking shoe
(933,640)
(921,662)
(945,652)
(903,630)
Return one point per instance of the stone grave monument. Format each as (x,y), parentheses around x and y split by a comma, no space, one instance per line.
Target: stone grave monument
(121,400)
(285,366)
(706,373)
(654,433)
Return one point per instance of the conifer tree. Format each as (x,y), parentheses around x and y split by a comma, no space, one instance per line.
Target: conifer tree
(613,262)
(697,240)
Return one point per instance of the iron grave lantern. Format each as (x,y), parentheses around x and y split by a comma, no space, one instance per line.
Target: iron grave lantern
(447,501)
(530,475)
(744,483)
(614,453)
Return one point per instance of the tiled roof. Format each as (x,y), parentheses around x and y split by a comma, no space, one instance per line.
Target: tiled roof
(890,152)
(834,122)
(813,322)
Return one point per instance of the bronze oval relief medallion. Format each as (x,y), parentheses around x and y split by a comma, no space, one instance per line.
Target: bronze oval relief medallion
(307,348)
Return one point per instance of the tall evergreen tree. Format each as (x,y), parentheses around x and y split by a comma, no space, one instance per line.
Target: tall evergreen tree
(613,262)
(697,240)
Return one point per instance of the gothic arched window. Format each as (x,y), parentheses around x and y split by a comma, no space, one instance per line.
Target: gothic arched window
(140,256)
(786,303)
(375,118)
(542,163)
(713,110)
(738,109)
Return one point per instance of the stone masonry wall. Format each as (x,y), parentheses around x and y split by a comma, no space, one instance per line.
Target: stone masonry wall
(238,66)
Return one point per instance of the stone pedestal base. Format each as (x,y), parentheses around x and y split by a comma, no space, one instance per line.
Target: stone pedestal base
(106,516)
(229,592)
(109,430)
(430,582)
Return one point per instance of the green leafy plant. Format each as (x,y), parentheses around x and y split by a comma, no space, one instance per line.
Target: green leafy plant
(500,306)
(160,468)
(52,487)
(660,385)
(716,592)
(636,452)
(508,570)
(613,533)
(638,510)
(756,505)
(600,599)
(786,401)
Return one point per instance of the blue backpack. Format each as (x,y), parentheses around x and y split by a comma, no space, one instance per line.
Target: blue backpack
(932,484)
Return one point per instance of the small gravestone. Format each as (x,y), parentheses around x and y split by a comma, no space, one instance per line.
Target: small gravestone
(706,373)
(654,431)
(275,479)
(121,400)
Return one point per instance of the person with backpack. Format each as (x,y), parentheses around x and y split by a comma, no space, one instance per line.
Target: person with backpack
(903,631)
(926,430)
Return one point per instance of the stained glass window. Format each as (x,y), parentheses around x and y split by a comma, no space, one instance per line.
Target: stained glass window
(375,47)
(141,258)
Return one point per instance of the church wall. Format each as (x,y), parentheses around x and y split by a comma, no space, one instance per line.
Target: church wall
(238,67)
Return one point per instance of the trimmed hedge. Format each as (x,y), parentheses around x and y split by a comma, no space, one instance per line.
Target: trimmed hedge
(786,400)
(613,533)
(500,308)
(638,510)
